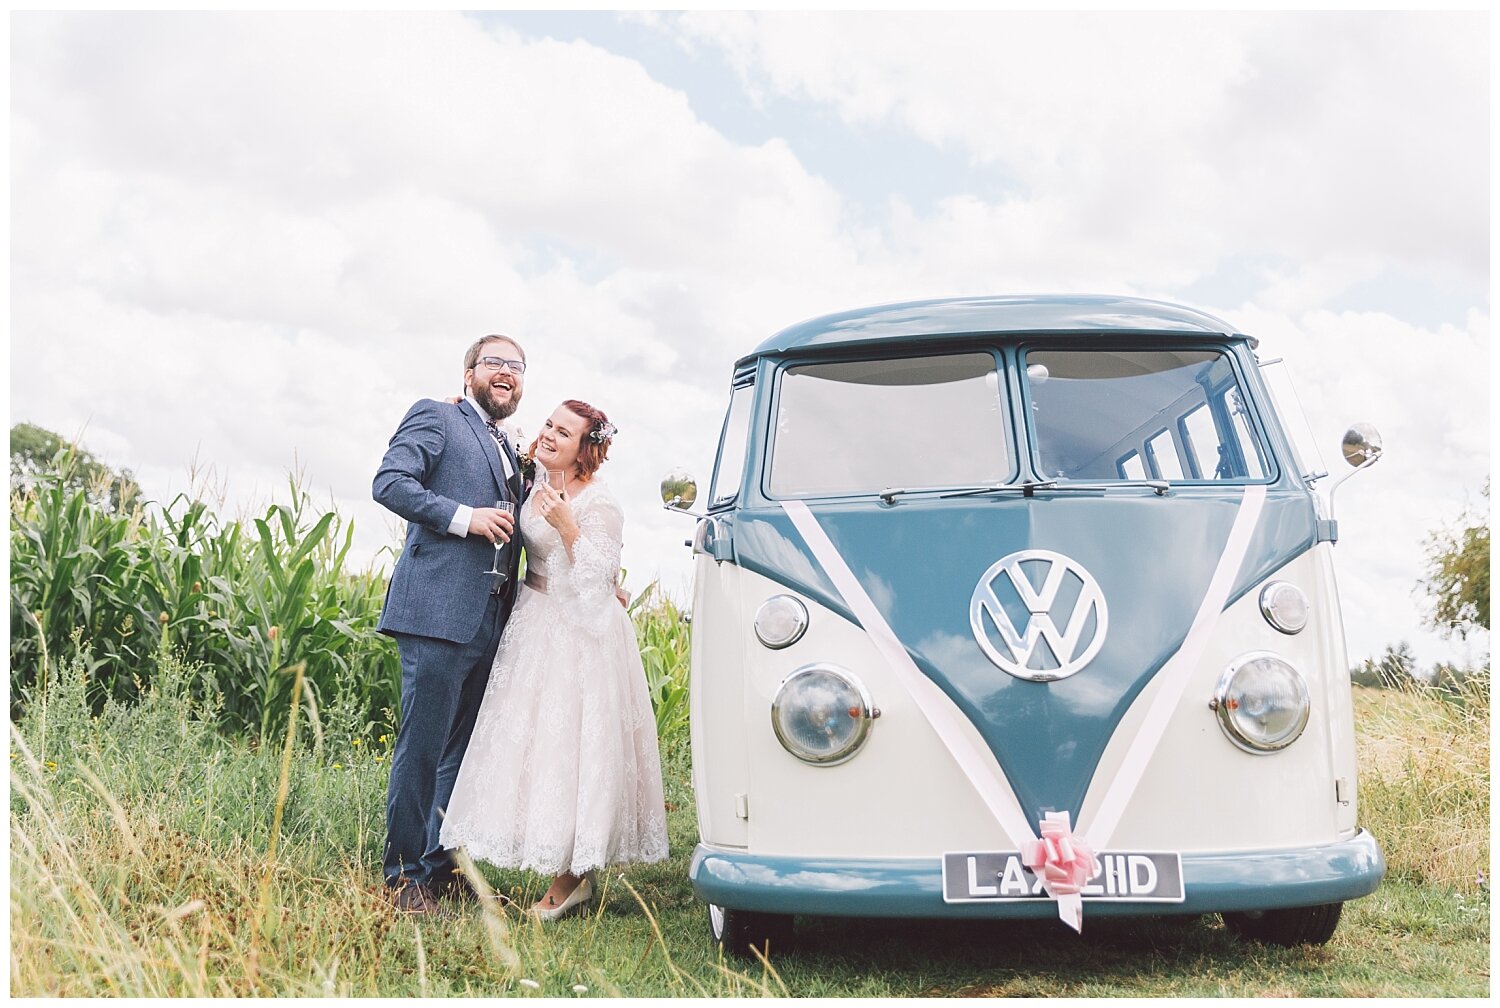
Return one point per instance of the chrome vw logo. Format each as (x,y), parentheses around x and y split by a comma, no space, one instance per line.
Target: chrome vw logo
(1064,611)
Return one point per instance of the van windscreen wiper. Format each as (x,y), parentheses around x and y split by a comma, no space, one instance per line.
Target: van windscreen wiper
(1030,487)
(889,494)
(1026,489)
(1160,486)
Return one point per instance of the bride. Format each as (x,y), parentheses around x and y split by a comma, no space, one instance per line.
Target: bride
(562,774)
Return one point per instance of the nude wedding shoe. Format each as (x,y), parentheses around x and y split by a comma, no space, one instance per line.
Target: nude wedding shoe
(580,897)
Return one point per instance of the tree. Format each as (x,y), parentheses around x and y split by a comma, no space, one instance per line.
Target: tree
(1396,669)
(1458,574)
(35,450)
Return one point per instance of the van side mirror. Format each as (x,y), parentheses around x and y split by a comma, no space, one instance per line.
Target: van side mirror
(679,490)
(1362,445)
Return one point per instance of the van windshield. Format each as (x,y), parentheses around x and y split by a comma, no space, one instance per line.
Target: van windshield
(1141,414)
(866,426)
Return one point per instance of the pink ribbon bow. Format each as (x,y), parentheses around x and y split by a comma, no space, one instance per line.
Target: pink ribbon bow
(1064,863)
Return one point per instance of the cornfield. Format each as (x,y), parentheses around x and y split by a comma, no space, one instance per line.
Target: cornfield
(244,600)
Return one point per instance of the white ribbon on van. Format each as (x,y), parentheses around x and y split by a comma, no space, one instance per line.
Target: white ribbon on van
(955,730)
(1174,675)
(1059,852)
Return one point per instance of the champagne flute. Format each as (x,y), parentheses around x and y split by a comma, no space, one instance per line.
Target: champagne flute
(558,480)
(508,508)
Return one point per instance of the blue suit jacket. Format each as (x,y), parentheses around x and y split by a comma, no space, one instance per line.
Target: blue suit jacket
(442,456)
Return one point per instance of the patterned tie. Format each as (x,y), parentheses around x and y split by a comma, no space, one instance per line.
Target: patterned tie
(504,443)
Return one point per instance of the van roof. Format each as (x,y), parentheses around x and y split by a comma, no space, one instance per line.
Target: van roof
(1059,314)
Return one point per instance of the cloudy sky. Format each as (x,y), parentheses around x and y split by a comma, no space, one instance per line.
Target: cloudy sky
(246,243)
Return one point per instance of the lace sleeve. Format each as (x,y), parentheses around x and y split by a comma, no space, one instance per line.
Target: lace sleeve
(596,561)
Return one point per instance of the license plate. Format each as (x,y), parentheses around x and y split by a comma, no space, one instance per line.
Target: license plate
(1128,876)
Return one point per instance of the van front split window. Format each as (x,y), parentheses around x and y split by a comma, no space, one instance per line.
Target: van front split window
(1178,415)
(861,427)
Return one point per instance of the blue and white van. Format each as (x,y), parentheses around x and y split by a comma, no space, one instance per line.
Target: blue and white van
(1019,607)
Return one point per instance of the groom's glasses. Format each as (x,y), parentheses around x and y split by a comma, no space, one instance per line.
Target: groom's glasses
(500,363)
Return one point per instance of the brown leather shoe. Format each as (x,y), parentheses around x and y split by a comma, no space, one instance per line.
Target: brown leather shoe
(414,898)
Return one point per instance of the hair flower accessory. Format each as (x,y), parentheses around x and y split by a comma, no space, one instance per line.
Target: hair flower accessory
(603,433)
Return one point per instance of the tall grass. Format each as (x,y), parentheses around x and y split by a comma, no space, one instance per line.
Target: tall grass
(142,865)
(152,857)
(245,599)
(662,632)
(1424,784)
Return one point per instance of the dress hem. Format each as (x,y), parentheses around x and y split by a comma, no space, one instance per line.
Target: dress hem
(478,853)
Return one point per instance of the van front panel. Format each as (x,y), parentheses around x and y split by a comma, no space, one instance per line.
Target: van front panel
(1152,561)
(1039,552)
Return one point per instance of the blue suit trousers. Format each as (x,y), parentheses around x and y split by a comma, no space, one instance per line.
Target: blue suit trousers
(442,684)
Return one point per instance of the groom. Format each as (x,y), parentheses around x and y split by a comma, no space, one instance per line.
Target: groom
(446,466)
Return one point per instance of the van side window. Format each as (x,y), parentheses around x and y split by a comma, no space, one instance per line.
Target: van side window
(860,427)
(734,443)
(1125,414)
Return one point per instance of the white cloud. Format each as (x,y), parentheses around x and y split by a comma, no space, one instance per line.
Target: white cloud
(279,231)
(1178,137)
(273,232)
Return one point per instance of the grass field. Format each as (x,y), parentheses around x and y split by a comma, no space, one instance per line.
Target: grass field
(148,859)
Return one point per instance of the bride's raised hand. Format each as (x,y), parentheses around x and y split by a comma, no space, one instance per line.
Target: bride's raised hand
(554,507)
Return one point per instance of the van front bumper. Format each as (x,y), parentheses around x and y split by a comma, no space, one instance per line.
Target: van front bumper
(913,887)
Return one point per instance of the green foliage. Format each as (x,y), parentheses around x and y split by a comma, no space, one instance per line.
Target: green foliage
(141,867)
(246,601)
(1464,686)
(1458,574)
(35,450)
(243,600)
(1424,784)
(662,632)
(1396,669)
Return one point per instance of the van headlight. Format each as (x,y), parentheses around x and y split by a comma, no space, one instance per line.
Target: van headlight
(821,714)
(1284,606)
(780,621)
(1262,702)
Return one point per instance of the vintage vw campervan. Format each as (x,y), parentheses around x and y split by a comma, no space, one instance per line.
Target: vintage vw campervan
(1019,606)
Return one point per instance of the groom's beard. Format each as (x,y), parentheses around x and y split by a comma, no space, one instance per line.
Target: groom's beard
(485,396)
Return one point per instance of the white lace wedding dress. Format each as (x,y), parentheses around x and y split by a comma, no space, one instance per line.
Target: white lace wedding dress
(562,772)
